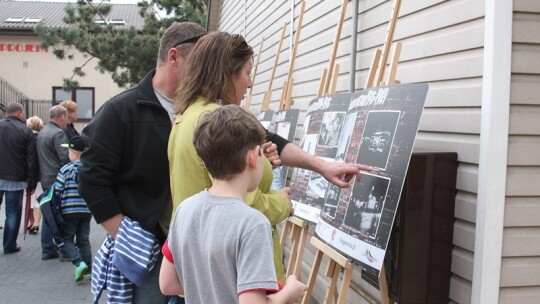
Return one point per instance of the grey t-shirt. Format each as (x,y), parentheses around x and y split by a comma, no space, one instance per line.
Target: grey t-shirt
(221,247)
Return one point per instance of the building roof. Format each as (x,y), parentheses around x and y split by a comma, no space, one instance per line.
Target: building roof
(24,15)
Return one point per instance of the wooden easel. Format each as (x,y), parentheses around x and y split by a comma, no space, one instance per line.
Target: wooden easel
(338,261)
(268,94)
(298,228)
(248,98)
(286,95)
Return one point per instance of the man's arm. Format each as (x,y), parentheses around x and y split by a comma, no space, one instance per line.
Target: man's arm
(100,165)
(338,173)
(59,139)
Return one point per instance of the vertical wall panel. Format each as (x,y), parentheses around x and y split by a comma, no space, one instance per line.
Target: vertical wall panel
(442,45)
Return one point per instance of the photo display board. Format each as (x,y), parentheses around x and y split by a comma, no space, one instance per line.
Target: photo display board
(284,124)
(324,122)
(265,118)
(375,127)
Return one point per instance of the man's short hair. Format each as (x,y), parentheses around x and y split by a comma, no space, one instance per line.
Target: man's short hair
(69,105)
(223,138)
(179,34)
(57,112)
(14,108)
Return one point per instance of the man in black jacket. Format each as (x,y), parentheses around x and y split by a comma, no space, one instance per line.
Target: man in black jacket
(125,170)
(18,170)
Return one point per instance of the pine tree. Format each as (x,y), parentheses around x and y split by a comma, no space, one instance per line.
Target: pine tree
(127,53)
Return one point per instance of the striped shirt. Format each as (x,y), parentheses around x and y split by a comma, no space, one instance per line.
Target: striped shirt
(67,186)
(123,262)
(11,185)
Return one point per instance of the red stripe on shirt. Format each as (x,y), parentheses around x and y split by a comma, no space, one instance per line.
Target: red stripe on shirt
(167,252)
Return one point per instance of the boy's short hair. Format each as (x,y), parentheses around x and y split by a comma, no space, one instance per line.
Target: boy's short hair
(223,138)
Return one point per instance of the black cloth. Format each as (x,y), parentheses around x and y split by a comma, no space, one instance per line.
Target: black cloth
(50,203)
(126,168)
(278,140)
(70,130)
(18,153)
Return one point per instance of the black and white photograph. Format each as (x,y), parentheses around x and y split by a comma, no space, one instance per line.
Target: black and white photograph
(283,128)
(279,175)
(310,142)
(265,118)
(378,138)
(331,126)
(316,189)
(366,204)
(305,128)
(284,124)
(345,136)
(331,201)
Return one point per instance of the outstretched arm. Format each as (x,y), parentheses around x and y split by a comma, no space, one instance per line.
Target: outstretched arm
(338,173)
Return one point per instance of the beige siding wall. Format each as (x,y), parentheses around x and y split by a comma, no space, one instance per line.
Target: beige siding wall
(442,45)
(520,269)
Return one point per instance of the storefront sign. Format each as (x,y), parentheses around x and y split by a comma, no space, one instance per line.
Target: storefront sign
(22,48)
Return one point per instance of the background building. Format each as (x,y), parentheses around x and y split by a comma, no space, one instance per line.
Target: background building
(482,60)
(28,71)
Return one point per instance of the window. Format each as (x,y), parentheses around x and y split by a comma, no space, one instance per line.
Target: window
(84,97)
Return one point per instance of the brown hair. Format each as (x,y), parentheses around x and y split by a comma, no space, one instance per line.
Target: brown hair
(223,138)
(180,35)
(35,123)
(209,69)
(69,105)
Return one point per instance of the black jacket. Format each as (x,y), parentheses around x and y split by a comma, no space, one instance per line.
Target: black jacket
(18,156)
(70,130)
(126,169)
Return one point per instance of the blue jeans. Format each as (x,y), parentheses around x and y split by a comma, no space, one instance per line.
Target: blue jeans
(149,291)
(47,245)
(176,300)
(13,218)
(76,233)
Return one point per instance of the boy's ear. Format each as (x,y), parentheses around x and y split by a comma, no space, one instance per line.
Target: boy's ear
(253,157)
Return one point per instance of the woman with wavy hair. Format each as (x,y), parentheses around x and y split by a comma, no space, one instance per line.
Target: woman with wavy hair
(218,72)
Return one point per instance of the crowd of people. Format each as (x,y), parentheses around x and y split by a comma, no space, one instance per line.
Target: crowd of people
(176,173)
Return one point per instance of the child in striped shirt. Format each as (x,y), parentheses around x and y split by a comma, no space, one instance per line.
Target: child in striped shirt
(75,212)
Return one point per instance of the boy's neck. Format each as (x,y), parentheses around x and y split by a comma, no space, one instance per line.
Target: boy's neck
(238,187)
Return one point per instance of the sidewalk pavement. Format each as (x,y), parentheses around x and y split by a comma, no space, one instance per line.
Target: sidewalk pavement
(25,278)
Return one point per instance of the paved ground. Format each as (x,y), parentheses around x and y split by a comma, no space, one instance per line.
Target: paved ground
(25,278)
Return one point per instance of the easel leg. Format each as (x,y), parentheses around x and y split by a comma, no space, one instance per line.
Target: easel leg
(383,287)
(332,271)
(300,255)
(286,228)
(346,282)
(313,277)
(294,250)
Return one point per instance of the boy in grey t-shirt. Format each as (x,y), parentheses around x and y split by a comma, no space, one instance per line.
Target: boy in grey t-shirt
(219,249)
